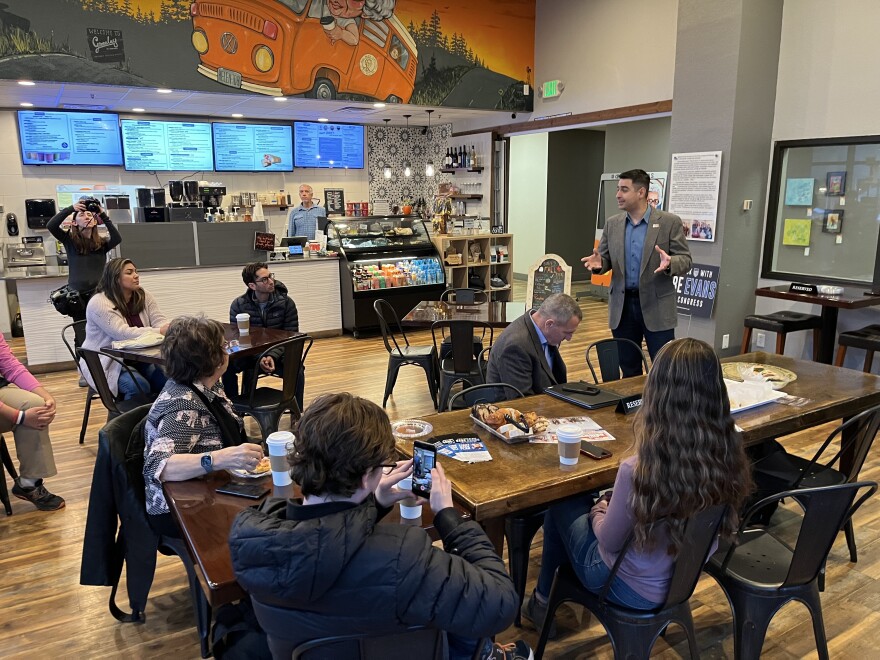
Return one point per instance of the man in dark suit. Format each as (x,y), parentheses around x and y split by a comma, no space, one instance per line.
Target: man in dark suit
(526,354)
(644,247)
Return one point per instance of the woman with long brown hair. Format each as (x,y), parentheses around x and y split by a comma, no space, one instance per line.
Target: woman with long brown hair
(689,457)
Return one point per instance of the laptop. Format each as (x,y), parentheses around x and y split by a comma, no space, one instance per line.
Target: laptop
(582,394)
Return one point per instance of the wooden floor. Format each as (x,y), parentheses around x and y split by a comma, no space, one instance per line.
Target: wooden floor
(47,614)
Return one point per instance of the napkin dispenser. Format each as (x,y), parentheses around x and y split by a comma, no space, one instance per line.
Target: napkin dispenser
(39,212)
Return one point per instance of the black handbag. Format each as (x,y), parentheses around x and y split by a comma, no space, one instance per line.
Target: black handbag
(68,301)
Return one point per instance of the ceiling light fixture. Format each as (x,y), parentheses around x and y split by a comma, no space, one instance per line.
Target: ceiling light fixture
(27,83)
(386,171)
(323,120)
(164,90)
(429,168)
(237,115)
(280,98)
(26,105)
(138,110)
(407,166)
(378,105)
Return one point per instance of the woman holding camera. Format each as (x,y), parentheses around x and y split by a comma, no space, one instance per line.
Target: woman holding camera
(120,310)
(76,228)
(688,458)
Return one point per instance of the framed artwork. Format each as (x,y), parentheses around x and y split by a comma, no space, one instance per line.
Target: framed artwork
(832,221)
(835,183)
(799,192)
(796,232)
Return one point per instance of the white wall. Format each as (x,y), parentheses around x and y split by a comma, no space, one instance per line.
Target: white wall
(527,215)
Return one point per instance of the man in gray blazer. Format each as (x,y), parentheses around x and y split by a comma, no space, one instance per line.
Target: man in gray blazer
(526,355)
(644,248)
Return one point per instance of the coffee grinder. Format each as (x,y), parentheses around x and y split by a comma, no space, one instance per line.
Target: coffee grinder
(185,203)
(151,205)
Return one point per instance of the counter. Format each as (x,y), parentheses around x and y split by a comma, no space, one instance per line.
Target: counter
(313,283)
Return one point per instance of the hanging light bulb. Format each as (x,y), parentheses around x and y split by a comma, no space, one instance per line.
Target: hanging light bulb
(407,167)
(429,168)
(386,171)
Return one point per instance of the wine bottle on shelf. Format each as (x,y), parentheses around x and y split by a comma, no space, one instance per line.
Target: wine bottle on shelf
(467,158)
(454,157)
(473,159)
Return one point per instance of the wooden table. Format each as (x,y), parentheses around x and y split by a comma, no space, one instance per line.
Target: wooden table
(851,298)
(496,314)
(254,343)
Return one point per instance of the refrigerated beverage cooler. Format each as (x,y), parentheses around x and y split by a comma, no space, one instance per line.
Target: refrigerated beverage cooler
(389,257)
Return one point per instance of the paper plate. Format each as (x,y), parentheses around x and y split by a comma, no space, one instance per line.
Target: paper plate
(246,474)
(777,377)
(411,428)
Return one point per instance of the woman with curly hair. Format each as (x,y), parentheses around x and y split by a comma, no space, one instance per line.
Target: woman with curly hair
(689,457)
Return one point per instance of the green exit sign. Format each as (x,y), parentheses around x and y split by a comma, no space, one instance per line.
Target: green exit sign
(552,88)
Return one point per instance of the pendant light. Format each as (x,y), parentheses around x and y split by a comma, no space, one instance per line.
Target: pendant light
(386,171)
(407,166)
(429,168)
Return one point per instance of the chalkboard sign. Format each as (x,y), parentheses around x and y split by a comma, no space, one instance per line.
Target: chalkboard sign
(549,275)
(264,240)
(334,201)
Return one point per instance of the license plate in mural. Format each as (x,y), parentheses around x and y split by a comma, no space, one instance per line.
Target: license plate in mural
(230,78)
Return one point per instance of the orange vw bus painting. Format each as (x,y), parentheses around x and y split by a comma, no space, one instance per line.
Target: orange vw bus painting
(320,48)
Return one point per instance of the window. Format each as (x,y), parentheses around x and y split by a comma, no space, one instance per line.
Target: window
(398,52)
(297,5)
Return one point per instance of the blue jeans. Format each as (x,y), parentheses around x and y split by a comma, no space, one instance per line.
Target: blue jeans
(632,327)
(148,376)
(569,537)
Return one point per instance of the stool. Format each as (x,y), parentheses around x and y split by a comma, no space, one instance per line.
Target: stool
(867,338)
(6,462)
(782,323)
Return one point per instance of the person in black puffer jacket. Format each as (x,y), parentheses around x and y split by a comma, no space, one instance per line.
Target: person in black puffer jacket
(327,560)
(267,303)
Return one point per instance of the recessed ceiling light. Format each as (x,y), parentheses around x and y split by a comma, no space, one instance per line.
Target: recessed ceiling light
(27,83)
(138,110)
(163,90)
(280,98)
(26,105)
(322,119)
(378,105)
(237,115)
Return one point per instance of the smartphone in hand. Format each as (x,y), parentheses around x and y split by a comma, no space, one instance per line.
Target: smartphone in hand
(594,451)
(424,459)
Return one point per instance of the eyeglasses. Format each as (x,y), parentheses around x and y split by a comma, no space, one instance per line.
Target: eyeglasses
(263,280)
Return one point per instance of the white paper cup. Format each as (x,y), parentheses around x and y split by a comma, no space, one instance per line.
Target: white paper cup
(279,444)
(569,443)
(409,508)
(244,323)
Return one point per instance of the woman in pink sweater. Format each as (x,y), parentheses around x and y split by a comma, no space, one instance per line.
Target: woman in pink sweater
(688,458)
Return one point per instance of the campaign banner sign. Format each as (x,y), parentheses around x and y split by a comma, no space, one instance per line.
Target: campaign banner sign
(696,290)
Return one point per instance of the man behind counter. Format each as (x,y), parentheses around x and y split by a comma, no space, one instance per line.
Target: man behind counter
(304,219)
(267,303)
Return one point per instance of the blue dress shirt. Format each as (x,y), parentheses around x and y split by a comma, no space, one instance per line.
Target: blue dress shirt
(635,245)
(304,221)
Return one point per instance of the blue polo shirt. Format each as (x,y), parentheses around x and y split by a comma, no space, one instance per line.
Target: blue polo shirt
(635,245)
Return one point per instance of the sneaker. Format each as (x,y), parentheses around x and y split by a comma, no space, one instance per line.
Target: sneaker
(38,496)
(517,650)
(535,612)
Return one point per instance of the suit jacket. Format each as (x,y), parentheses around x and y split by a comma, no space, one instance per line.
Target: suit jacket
(517,359)
(656,292)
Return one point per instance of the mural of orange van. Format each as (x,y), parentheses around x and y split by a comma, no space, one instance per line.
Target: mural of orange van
(280,47)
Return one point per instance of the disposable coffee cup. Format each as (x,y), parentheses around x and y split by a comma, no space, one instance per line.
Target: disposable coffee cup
(244,323)
(329,24)
(410,507)
(279,444)
(568,439)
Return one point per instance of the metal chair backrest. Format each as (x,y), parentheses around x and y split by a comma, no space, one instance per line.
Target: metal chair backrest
(99,377)
(296,349)
(389,325)
(70,329)
(462,337)
(484,393)
(863,429)
(465,296)
(826,510)
(483,362)
(608,354)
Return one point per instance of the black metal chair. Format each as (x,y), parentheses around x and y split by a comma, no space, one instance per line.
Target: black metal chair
(867,338)
(114,405)
(399,356)
(267,404)
(483,393)
(782,323)
(6,465)
(91,394)
(760,572)
(783,471)
(633,632)
(465,296)
(462,365)
(608,355)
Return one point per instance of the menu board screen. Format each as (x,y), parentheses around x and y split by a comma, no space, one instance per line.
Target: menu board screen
(253,147)
(328,145)
(167,145)
(69,138)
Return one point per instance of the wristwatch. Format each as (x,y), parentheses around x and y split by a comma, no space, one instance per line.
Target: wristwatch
(207,462)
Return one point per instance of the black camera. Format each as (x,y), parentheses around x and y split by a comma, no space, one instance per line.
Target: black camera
(91,204)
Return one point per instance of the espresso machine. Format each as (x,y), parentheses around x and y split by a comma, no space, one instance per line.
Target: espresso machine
(185,206)
(212,196)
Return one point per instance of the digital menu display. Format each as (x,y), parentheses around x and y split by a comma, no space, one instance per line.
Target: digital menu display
(253,147)
(69,138)
(328,145)
(167,145)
